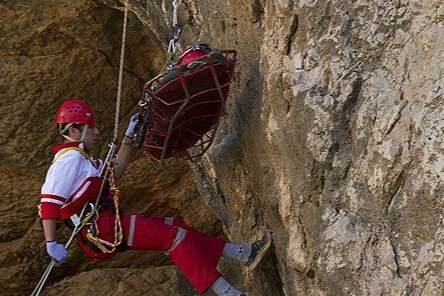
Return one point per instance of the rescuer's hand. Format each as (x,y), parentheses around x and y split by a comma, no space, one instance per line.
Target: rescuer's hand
(132,126)
(56,251)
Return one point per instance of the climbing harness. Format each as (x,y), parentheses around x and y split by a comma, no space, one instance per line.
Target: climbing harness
(81,220)
(64,150)
(182,106)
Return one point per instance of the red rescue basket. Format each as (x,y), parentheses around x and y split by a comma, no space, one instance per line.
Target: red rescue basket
(182,106)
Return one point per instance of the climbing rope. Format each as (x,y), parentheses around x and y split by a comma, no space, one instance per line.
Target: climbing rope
(118,232)
(93,234)
(93,231)
(122,62)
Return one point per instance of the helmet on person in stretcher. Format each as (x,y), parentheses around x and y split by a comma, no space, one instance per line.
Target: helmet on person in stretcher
(76,111)
(194,53)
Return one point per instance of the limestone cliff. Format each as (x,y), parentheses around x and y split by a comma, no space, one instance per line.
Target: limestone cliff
(332,139)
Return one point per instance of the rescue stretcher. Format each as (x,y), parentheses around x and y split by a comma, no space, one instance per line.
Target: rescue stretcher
(182,106)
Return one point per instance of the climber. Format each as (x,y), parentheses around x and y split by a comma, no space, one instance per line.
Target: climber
(73,180)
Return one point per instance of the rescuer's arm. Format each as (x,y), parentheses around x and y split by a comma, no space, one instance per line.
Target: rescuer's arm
(50,228)
(55,250)
(55,192)
(123,157)
(124,154)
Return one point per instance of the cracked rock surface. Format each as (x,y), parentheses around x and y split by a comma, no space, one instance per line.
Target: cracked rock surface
(51,51)
(332,139)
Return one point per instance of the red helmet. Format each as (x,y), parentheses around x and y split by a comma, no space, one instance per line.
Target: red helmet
(193,53)
(76,111)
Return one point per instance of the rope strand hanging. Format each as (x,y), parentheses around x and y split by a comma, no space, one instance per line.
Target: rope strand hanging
(121,65)
(174,45)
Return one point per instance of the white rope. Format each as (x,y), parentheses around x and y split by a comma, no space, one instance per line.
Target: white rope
(43,279)
(173,46)
(175,5)
(119,85)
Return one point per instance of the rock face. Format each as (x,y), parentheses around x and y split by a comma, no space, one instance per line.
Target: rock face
(333,140)
(51,51)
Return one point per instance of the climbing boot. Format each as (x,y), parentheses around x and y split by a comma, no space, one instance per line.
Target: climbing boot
(258,250)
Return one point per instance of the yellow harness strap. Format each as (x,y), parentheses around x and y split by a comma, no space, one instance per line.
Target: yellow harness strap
(64,150)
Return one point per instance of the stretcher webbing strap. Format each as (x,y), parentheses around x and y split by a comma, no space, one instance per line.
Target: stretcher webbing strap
(174,45)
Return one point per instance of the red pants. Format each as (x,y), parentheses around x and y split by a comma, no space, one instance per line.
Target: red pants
(196,254)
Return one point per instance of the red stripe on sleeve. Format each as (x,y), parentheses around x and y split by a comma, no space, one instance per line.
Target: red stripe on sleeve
(49,211)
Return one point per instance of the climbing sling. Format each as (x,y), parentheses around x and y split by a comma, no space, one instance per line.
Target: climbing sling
(92,230)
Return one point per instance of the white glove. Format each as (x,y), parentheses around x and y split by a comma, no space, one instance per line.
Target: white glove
(56,251)
(130,131)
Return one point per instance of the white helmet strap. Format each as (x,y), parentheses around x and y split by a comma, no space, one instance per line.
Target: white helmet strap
(84,129)
(63,130)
